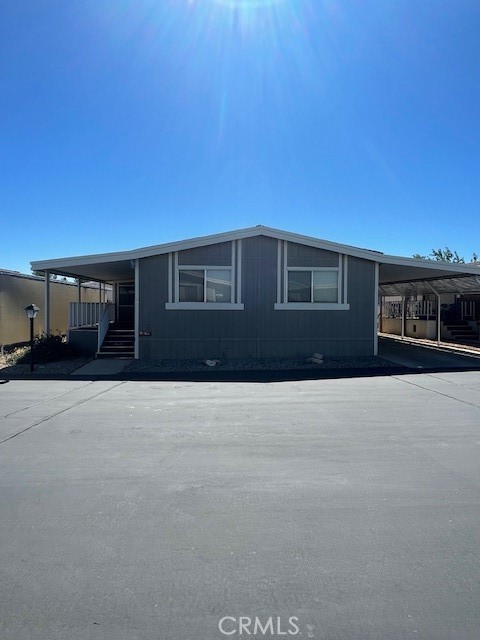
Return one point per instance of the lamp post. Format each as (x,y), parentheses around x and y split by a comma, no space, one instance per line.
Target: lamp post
(32,312)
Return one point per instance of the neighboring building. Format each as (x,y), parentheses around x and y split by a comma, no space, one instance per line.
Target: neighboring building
(415,316)
(17,290)
(256,292)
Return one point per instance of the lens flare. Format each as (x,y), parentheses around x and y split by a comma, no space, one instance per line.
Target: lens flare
(247,4)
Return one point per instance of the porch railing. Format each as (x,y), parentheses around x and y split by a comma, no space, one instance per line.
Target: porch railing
(86,314)
(426,309)
(414,309)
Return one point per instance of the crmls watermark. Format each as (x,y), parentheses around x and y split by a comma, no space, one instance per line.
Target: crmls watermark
(246,626)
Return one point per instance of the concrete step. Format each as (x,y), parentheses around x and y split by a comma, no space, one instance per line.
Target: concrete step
(122,354)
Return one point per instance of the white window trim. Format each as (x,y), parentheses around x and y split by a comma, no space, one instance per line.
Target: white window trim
(284,305)
(206,306)
(312,270)
(311,306)
(236,283)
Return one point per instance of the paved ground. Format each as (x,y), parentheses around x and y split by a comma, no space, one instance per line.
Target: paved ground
(102,367)
(150,510)
(418,357)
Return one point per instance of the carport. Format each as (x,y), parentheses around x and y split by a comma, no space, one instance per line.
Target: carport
(402,281)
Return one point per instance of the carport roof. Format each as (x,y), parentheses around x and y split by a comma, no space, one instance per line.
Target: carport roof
(459,284)
(396,273)
(409,276)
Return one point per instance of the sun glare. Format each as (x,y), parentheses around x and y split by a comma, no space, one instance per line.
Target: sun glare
(247,4)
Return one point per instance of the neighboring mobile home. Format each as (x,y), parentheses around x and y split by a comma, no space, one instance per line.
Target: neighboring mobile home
(257,292)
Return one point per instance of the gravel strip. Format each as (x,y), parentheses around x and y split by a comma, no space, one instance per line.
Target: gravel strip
(255,364)
(60,367)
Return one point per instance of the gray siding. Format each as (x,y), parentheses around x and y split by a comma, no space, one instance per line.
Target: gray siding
(214,255)
(84,340)
(259,330)
(299,255)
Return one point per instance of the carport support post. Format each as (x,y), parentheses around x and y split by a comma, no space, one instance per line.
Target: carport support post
(375,318)
(403,317)
(136,320)
(439,320)
(46,325)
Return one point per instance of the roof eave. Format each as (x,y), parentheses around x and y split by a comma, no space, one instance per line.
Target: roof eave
(182,245)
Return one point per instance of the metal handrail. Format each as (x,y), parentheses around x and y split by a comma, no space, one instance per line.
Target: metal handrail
(103,324)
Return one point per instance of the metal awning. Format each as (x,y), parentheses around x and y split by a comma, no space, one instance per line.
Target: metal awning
(459,284)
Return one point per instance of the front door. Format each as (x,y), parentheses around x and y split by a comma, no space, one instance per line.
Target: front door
(126,303)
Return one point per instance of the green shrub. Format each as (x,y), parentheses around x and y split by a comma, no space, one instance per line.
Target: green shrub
(45,349)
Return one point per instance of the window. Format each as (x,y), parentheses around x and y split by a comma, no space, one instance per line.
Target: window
(313,286)
(205,285)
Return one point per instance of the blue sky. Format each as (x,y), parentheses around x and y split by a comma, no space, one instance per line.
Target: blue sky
(125,123)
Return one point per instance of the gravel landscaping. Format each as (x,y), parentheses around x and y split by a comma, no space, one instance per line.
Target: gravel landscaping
(255,364)
(60,367)
(66,367)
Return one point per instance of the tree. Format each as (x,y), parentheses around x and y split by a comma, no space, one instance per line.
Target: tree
(53,276)
(445,255)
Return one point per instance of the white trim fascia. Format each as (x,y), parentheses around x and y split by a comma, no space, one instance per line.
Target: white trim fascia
(311,306)
(233,277)
(279,271)
(312,268)
(136,319)
(47,314)
(229,236)
(145,252)
(431,265)
(239,271)
(200,267)
(375,310)
(339,279)
(170,277)
(205,306)
(177,279)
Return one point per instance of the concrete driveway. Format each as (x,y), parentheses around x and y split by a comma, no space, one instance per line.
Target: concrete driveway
(152,510)
(417,357)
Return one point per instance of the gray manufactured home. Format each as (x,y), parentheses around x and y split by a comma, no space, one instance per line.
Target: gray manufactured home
(256,292)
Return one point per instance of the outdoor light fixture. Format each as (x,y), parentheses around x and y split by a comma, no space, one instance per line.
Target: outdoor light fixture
(32,312)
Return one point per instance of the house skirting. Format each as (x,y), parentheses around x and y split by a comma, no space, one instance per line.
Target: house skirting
(84,340)
(183,349)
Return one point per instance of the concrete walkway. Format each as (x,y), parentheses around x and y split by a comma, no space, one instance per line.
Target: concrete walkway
(102,367)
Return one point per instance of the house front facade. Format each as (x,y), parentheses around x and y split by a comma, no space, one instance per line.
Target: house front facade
(255,297)
(256,292)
